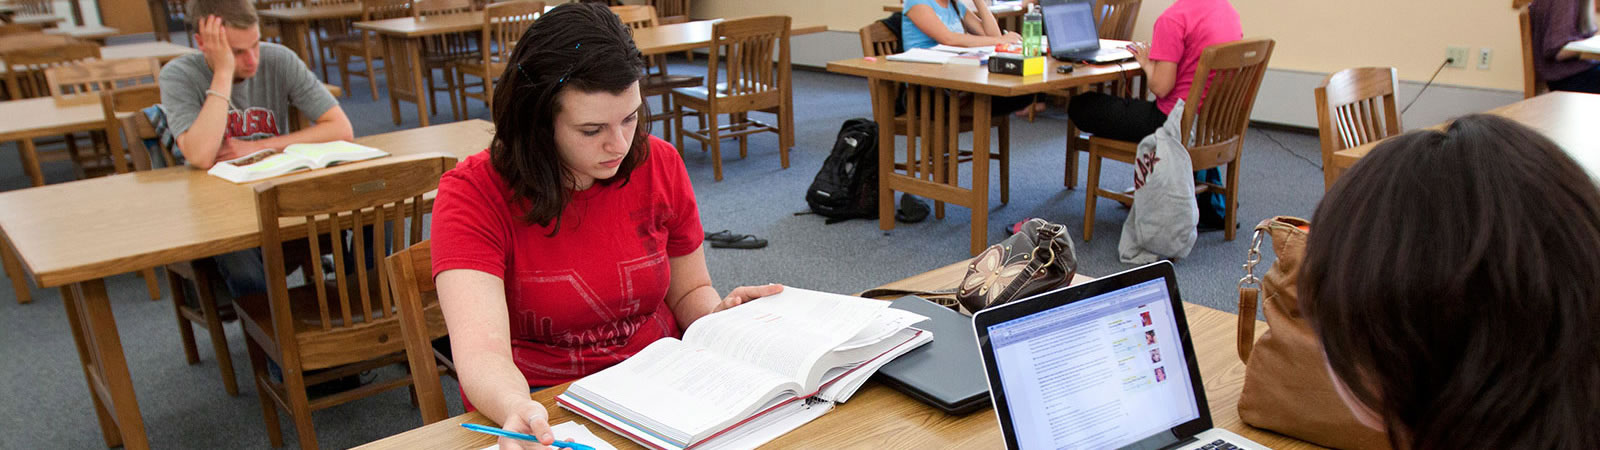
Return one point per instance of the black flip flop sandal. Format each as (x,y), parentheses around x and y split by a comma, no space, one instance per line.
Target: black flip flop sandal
(722,236)
(743,241)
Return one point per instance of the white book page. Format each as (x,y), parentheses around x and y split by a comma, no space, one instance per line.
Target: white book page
(922,55)
(686,389)
(964,50)
(1591,45)
(326,153)
(786,333)
(259,165)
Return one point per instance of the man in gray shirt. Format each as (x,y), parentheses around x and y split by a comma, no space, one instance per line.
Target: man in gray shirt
(233,99)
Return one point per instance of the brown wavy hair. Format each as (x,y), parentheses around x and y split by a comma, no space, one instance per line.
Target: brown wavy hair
(581,46)
(1454,278)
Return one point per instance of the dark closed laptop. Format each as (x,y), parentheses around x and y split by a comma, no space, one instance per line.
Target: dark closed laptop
(947,373)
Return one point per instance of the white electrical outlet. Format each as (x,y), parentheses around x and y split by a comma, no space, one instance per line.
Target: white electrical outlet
(1458,57)
(1483,58)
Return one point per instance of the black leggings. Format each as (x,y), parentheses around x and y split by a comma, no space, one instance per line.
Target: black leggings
(1129,119)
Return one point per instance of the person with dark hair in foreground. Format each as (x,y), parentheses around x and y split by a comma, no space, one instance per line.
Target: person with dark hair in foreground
(574,240)
(1458,308)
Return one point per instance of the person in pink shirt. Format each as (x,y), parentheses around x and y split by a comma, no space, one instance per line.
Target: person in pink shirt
(1169,61)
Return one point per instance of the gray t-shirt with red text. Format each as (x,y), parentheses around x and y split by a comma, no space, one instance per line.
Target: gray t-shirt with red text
(260,104)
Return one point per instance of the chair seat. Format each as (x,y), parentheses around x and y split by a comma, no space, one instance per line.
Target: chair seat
(475,67)
(322,349)
(660,84)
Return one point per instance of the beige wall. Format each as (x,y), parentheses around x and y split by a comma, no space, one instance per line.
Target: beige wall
(1312,35)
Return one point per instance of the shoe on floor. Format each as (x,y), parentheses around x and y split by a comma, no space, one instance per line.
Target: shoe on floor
(743,241)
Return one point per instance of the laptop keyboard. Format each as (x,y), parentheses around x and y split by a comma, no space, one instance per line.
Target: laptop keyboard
(1219,444)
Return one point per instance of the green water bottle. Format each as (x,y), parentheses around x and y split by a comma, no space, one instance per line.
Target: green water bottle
(1032,32)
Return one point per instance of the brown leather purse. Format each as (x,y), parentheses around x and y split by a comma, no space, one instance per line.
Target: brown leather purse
(1286,384)
(1038,258)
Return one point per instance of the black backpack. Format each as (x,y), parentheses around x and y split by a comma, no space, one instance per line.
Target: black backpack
(847,186)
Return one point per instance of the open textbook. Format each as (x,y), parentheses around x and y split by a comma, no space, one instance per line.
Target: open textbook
(269,163)
(744,376)
(1590,45)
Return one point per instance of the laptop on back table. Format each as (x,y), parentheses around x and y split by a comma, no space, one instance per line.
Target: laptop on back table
(1069,26)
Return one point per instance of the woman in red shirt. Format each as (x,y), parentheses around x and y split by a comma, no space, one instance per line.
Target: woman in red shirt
(574,240)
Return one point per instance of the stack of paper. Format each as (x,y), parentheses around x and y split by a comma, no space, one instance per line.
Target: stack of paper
(1590,45)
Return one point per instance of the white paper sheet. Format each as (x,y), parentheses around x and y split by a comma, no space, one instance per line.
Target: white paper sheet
(574,431)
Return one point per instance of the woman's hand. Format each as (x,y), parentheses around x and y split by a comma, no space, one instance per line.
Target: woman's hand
(1010,37)
(747,293)
(1141,52)
(530,418)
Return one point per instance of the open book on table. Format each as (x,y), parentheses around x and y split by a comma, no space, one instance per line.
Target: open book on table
(269,163)
(1590,45)
(744,376)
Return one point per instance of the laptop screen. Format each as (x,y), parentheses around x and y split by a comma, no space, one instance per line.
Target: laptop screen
(1106,371)
(1070,26)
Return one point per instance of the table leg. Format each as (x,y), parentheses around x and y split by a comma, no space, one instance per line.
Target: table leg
(414,52)
(980,172)
(94,330)
(119,158)
(30,161)
(884,90)
(13,267)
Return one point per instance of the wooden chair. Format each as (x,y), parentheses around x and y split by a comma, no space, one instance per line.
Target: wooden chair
(35,7)
(1354,107)
(367,47)
(25,66)
(329,33)
(741,77)
(444,51)
(411,281)
(1115,20)
(878,40)
(1227,79)
(271,31)
(20,28)
(671,11)
(1531,84)
(657,82)
(348,324)
(503,25)
(84,82)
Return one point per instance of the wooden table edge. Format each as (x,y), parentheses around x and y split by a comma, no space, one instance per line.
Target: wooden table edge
(977,88)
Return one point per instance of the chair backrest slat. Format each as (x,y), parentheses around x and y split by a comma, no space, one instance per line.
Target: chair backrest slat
(1217,111)
(671,11)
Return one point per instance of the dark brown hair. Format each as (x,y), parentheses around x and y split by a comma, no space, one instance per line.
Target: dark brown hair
(581,46)
(1454,278)
(239,14)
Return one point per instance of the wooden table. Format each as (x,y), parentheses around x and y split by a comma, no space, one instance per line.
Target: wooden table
(879,417)
(72,235)
(95,33)
(1568,118)
(402,42)
(160,50)
(295,23)
(940,85)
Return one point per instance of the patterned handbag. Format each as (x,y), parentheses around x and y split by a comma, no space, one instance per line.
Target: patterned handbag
(1038,258)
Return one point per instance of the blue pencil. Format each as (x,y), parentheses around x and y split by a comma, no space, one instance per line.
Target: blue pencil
(526,437)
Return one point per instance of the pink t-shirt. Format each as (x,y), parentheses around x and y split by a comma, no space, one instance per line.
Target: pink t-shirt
(1183,31)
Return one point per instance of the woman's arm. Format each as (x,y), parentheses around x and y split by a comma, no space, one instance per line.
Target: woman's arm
(980,18)
(690,295)
(928,22)
(1162,76)
(474,306)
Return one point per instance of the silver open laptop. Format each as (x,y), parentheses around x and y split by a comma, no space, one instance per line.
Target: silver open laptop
(1105,364)
(1073,36)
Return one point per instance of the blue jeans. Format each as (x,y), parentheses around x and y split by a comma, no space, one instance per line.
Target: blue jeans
(242,273)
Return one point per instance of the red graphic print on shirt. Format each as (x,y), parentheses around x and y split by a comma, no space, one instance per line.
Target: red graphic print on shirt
(251,124)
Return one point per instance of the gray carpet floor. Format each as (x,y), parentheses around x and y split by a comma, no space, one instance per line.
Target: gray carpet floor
(46,403)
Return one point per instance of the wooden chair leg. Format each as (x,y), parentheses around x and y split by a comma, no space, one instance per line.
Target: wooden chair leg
(344,71)
(453,89)
(219,339)
(185,331)
(1091,193)
(372,78)
(744,139)
(151,283)
(1231,218)
(716,146)
(677,110)
(294,383)
(433,95)
(1070,177)
(269,409)
(672,120)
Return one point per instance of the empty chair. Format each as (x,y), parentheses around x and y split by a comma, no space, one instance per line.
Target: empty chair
(503,24)
(742,76)
(657,82)
(1354,107)
(411,281)
(366,46)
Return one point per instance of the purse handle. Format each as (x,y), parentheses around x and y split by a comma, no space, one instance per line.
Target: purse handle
(1250,294)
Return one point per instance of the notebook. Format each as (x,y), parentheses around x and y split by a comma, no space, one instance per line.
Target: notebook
(1105,364)
(945,374)
(1070,29)
(744,376)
